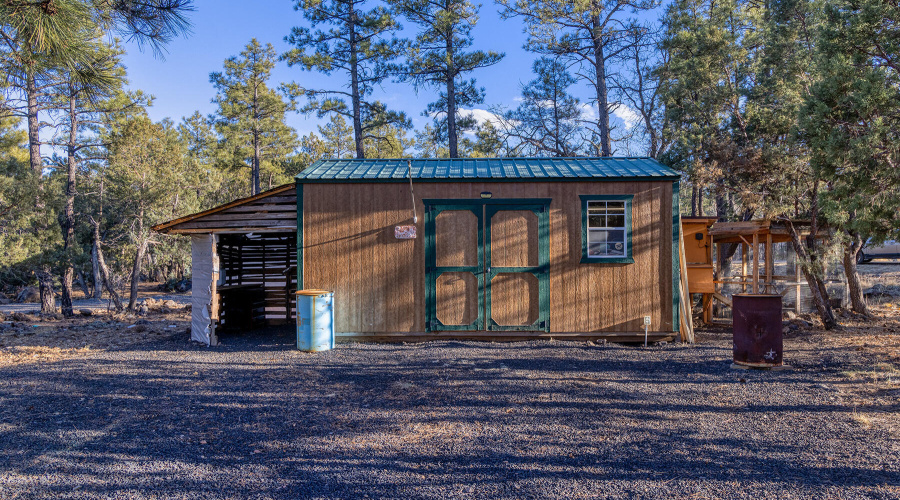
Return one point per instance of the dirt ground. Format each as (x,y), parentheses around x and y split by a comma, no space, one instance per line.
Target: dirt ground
(122,406)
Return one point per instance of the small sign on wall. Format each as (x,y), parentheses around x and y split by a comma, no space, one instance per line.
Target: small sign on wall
(405,232)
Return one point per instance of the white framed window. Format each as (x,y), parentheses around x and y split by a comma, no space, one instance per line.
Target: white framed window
(606,228)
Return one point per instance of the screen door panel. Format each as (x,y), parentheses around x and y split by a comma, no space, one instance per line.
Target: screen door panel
(456,296)
(515,299)
(455,267)
(514,239)
(456,238)
(517,267)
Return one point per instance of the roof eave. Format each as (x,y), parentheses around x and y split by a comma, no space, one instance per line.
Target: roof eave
(167,227)
(644,178)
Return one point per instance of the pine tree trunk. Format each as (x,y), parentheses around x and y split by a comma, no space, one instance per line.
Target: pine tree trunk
(103,270)
(600,86)
(354,82)
(34,139)
(48,301)
(95,271)
(851,250)
(69,222)
(451,116)
(694,200)
(254,173)
(82,283)
(136,276)
(65,299)
(138,261)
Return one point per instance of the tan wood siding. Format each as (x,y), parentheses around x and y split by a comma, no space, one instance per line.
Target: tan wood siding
(514,299)
(457,298)
(275,213)
(379,281)
(514,239)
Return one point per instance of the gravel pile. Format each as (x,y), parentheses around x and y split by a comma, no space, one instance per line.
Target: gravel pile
(254,418)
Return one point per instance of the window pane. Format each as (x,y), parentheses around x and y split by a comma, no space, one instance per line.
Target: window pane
(597,243)
(615,241)
(596,221)
(606,229)
(606,243)
(596,207)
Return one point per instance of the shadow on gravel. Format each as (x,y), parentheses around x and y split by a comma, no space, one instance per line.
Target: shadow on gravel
(255,417)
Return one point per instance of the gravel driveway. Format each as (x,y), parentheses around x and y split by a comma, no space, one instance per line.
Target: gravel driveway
(256,419)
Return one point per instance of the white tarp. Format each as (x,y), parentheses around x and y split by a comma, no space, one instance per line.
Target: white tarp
(203,264)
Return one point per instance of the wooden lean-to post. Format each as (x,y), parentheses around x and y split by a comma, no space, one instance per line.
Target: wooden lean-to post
(745,265)
(707,297)
(687,322)
(755,263)
(798,307)
(770,264)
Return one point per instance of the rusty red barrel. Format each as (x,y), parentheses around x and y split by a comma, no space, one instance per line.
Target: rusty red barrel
(757,330)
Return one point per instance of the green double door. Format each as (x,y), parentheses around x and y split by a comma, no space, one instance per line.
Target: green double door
(487,265)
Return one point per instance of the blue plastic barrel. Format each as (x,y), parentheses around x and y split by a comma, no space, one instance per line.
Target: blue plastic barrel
(315,320)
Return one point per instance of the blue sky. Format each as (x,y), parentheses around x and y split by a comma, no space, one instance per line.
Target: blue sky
(221,28)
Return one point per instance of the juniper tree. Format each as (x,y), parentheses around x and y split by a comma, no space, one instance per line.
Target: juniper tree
(850,123)
(439,57)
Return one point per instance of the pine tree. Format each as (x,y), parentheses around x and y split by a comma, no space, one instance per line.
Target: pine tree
(250,114)
(388,142)
(359,44)
(79,99)
(588,34)
(439,57)
(548,121)
(38,38)
(637,85)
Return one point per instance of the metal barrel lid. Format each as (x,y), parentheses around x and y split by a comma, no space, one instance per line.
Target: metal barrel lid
(313,293)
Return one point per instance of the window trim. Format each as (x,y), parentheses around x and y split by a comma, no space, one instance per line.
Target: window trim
(628,199)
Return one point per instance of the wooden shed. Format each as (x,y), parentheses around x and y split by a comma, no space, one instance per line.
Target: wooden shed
(497,249)
(493,249)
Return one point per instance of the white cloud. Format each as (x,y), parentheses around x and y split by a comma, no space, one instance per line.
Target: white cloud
(481,115)
(588,113)
(627,115)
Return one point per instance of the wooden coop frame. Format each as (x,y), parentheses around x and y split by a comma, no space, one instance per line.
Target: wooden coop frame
(755,239)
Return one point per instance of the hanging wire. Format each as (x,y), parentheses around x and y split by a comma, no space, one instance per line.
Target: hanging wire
(412,194)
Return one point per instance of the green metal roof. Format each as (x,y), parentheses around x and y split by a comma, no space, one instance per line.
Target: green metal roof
(488,169)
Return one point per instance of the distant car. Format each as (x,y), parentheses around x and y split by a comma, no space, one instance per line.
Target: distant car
(890,249)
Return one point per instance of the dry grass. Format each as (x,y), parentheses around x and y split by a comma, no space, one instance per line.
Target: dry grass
(37,340)
(864,421)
